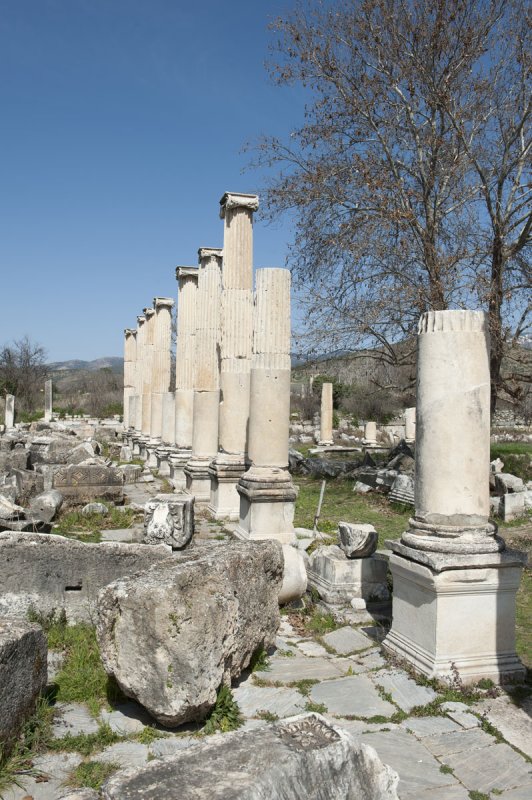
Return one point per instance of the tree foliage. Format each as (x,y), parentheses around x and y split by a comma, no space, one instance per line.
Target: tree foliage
(409,178)
(23,371)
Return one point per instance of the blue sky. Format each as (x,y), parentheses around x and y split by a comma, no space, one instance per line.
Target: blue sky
(122,122)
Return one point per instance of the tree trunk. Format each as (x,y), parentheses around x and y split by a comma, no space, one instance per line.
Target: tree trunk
(495,320)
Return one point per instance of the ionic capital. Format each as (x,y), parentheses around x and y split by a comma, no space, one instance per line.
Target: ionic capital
(232,200)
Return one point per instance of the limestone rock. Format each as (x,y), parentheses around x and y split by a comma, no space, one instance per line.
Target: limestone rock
(402,490)
(23,667)
(294,575)
(10,510)
(46,505)
(169,519)
(94,508)
(357,540)
(173,634)
(126,454)
(300,757)
(505,483)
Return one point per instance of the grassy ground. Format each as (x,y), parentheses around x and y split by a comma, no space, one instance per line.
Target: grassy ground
(86,528)
(517,458)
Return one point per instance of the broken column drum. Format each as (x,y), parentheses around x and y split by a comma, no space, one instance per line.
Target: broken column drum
(410,424)
(267,494)
(370,433)
(130,354)
(161,364)
(10,411)
(48,400)
(206,379)
(454,583)
(235,352)
(326,417)
(187,278)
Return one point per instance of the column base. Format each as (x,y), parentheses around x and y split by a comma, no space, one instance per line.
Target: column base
(456,614)
(225,472)
(151,447)
(339,579)
(267,505)
(198,479)
(162,454)
(178,460)
(135,443)
(143,444)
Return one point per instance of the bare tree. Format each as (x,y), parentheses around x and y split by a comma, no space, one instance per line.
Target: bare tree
(23,371)
(383,177)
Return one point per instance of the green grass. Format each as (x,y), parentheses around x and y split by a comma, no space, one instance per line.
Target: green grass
(340,503)
(259,661)
(225,715)
(85,743)
(517,458)
(523,617)
(92,774)
(74,524)
(34,737)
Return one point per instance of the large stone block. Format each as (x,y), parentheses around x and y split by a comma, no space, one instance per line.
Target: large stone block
(339,579)
(300,757)
(81,482)
(169,519)
(357,540)
(174,634)
(23,673)
(51,573)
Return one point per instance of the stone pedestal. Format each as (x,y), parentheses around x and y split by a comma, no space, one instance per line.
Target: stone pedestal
(267,494)
(326,418)
(454,586)
(206,379)
(410,424)
(339,579)
(9,416)
(370,434)
(235,353)
(177,461)
(187,279)
(48,401)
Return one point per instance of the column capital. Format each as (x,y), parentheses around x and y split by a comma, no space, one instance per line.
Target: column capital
(148,313)
(130,332)
(232,200)
(163,302)
(186,272)
(209,252)
(141,319)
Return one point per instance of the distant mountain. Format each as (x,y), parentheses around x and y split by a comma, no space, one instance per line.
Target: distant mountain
(107,362)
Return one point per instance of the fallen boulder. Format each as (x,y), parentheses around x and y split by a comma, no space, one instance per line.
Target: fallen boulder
(300,757)
(23,673)
(46,505)
(173,634)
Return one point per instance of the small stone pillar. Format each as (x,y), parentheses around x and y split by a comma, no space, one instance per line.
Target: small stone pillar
(187,279)
(370,434)
(162,360)
(206,379)
(267,494)
(9,415)
(147,367)
(454,583)
(130,355)
(235,352)
(326,418)
(48,400)
(410,424)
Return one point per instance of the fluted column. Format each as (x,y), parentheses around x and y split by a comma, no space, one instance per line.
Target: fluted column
(187,281)
(326,416)
(266,491)
(48,400)
(454,584)
(139,367)
(235,352)
(130,347)
(162,361)
(206,377)
(147,367)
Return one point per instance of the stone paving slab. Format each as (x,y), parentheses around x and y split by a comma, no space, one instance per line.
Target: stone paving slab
(289,670)
(404,691)
(73,718)
(418,770)
(514,723)
(465,719)
(127,754)
(277,700)
(312,649)
(443,744)
(522,793)
(456,792)
(347,640)
(161,748)
(56,766)
(127,718)
(354,695)
(356,727)
(493,767)
(429,726)
(371,660)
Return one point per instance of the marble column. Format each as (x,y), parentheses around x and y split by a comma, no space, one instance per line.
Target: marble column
(9,416)
(370,434)
(48,400)
(454,582)
(410,424)
(130,354)
(187,280)
(161,363)
(136,420)
(206,377)
(147,369)
(235,353)
(326,418)
(267,494)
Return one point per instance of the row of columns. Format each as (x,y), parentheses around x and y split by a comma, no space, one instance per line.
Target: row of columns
(223,433)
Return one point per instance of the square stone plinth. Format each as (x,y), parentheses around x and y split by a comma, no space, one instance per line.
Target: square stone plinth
(457,618)
(338,579)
